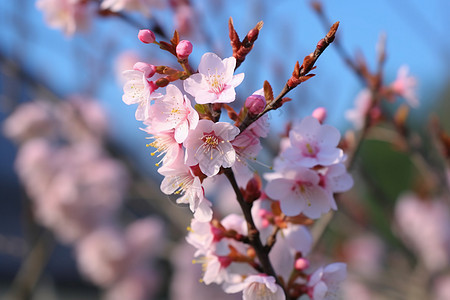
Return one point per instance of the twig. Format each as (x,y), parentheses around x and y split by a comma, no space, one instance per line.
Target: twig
(301,73)
(262,252)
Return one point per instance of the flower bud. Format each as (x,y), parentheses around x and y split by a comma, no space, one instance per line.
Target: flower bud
(146,36)
(148,69)
(255,104)
(184,49)
(301,264)
(320,114)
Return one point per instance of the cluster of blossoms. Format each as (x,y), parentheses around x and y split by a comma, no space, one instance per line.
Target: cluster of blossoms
(76,190)
(404,86)
(193,144)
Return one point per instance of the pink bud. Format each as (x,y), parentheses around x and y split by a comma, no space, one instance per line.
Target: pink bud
(320,114)
(146,36)
(255,104)
(184,48)
(148,69)
(301,264)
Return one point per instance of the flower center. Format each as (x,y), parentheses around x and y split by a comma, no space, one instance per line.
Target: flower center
(210,142)
(216,84)
(309,150)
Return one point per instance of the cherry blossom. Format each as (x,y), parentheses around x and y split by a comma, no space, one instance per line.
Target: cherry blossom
(405,85)
(209,146)
(138,89)
(174,111)
(180,180)
(357,114)
(335,179)
(313,144)
(200,236)
(247,147)
(67,15)
(143,6)
(418,218)
(324,283)
(258,287)
(165,144)
(298,191)
(215,81)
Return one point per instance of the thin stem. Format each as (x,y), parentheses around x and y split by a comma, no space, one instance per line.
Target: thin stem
(262,251)
(294,81)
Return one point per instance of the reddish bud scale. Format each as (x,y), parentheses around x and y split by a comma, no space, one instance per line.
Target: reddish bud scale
(162,82)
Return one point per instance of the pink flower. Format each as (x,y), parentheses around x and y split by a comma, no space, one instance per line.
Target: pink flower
(137,284)
(335,179)
(166,145)
(143,6)
(103,256)
(258,287)
(417,219)
(32,119)
(180,180)
(67,15)
(174,111)
(324,282)
(138,89)
(247,147)
(215,81)
(313,144)
(298,191)
(144,237)
(201,237)
(358,114)
(405,86)
(209,146)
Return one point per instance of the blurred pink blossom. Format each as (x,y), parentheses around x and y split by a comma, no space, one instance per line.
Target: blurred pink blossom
(425,226)
(32,119)
(143,6)
(405,86)
(67,15)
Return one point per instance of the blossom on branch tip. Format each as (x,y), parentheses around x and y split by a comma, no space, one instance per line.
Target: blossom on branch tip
(184,49)
(146,36)
(215,81)
(209,145)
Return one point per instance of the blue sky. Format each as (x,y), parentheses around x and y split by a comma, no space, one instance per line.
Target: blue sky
(84,64)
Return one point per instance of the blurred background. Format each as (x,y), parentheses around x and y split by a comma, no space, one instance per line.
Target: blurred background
(73,81)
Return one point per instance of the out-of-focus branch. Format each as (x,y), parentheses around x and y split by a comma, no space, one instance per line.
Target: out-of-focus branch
(32,267)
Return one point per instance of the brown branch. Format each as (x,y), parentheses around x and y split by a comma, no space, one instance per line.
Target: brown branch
(262,252)
(300,74)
